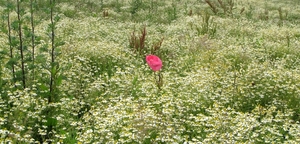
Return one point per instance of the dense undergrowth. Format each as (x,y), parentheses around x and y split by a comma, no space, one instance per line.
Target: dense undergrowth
(75,71)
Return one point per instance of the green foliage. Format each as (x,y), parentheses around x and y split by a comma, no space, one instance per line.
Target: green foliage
(207,26)
(135,6)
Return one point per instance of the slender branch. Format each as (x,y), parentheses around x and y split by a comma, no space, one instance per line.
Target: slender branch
(52,69)
(212,6)
(52,33)
(21,44)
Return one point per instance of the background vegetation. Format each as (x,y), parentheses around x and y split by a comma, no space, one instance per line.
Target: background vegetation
(75,71)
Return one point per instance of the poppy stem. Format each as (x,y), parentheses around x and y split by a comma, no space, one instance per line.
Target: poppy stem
(159,81)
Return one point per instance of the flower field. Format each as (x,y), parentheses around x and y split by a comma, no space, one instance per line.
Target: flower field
(76,71)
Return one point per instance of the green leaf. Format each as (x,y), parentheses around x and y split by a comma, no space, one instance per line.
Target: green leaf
(4,29)
(44,48)
(59,43)
(15,25)
(3,52)
(43,87)
(14,41)
(56,18)
(40,58)
(10,6)
(12,61)
(134,81)
(59,79)
(51,121)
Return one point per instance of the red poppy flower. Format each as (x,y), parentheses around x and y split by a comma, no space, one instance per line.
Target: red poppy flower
(154,62)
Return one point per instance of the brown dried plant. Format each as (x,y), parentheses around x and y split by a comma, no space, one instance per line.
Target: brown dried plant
(156,46)
(190,13)
(138,43)
(105,13)
(226,5)
(212,6)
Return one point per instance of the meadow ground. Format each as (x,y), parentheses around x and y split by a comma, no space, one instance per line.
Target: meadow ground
(74,71)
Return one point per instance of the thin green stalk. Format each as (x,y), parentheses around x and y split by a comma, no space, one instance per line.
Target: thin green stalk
(159,81)
(10,43)
(52,51)
(49,112)
(32,38)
